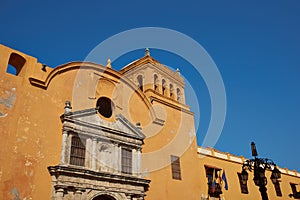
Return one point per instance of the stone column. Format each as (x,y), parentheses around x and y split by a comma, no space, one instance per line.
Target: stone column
(134,162)
(84,195)
(88,154)
(139,162)
(60,194)
(167,86)
(63,148)
(94,153)
(116,159)
(128,197)
(77,195)
(182,96)
(120,159)
(157,83)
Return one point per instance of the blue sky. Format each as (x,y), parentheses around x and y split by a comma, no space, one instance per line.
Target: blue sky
(255,45)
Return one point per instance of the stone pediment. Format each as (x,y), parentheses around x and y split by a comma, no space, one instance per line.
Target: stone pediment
(89,119)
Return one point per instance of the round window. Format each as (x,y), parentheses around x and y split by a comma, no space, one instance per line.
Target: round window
(105,106)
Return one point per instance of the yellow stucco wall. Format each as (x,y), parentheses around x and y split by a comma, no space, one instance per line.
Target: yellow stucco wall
(31,104)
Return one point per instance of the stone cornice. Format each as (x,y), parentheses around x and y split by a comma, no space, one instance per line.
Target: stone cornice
(74,171)
(154,96)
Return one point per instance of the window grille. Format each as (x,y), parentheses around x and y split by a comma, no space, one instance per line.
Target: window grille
(155,83)
(77,155)
(243,185)
(175,164)
(140,82)
(126,161)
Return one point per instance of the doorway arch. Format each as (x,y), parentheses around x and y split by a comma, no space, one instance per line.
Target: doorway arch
(104,197)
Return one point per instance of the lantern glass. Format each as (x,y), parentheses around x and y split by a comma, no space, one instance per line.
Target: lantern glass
(274,180)
(276,173)
(259,177)
(244,176)
(260,172)
(264,181)
(256,181)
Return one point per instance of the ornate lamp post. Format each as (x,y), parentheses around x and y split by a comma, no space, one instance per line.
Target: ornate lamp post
(259,166)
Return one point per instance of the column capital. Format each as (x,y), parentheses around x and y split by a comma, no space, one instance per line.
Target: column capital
(115,143)
(79,190)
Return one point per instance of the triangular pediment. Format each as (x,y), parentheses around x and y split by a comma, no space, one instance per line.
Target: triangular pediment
(140,62)
(90,119)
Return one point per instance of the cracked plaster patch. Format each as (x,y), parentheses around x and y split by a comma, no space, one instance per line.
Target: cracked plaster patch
(15,192)
(9,100)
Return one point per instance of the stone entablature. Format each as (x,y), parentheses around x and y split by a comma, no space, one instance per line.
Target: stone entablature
(73,182)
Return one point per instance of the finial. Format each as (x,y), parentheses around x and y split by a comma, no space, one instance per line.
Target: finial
(178,71)
(68,107)
(108,65)
(147,52)
(138,126)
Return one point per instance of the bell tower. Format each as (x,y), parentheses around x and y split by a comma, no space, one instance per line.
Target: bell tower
(156,80)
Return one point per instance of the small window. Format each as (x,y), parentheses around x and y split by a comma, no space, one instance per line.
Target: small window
(294,188)
(140,82)
(171,91)
(105,107)
(11,69)
(179,98)
(15,64)
(77,156)
(175,164)
(155,83)
(163,87)
(277,189)
(126,161)
(213,181)
(243,184)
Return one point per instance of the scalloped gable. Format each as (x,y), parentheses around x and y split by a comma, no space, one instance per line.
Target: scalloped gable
(89,118)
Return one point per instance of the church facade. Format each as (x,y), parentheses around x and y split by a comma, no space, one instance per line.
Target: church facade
(85,131)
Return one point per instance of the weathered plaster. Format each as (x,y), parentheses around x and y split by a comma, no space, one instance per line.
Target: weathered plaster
(8,99)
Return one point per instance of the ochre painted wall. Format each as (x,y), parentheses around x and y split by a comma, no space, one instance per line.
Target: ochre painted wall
(31,104)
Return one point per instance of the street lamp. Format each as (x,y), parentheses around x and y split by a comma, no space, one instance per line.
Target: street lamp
(259,166)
